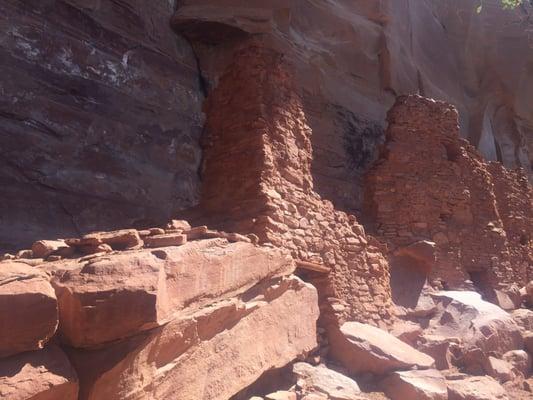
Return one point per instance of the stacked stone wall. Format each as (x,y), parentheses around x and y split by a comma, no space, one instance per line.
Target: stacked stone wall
(257,179)
(429,184)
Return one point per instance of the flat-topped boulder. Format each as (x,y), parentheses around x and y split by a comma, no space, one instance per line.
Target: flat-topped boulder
(363,348)
(114,296)
(476,388)
(38,375)
(416,385)
(476,322)
(210,354)
(321,379)
(28,308)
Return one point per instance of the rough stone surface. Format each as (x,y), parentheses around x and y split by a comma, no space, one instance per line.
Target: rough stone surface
(520,360)
(28,308)
(475,323)
(321,379)
(523,318)
(416,385)
(111,297)
(353,58)
(38,375)
(363,348)
(100,118)
(235,341)
(429,184)
(476,388)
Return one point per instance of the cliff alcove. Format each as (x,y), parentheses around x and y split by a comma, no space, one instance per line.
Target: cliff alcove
(266,200)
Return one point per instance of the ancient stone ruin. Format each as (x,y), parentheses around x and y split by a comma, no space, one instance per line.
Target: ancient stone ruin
(263,200)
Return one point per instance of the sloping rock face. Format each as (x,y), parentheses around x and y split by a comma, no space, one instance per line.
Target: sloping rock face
(363,348)
(211,354)
(431,185)
(203,319)
(100,118)
(105,299)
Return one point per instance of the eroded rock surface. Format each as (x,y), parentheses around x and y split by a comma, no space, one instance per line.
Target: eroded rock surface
(431,185)
(28,308)
(416,385)
(100,118)
(363,348)
(112,297)
(38,375)
(211,354)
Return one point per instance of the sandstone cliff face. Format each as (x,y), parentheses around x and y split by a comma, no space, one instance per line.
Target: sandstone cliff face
(97,136)
(352,59)
(99,117)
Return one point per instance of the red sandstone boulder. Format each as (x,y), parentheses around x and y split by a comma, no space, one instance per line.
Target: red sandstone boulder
(363,348)
(45,248)
(165,240)
(118,240)
(475,322)
(523,318)
(281,395)
(520,360)
(476,388)
(209,354)
(38,375)
(320,379)
(179,224)
(438,348)
(115,296)
(500,369)
(415,385)
(28,308)
(407,331)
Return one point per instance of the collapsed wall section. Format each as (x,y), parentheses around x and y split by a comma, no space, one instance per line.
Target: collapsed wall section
(431,185)
(257,178)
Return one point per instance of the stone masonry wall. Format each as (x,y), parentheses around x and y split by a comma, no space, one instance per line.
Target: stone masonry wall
(257,179)
(431,185)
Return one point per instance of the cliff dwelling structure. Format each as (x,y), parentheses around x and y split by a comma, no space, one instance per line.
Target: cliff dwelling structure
(266,200)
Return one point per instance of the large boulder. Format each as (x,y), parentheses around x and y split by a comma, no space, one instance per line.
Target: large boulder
(210,354)
(475,322)
(321,379)
(476,388)
(520,360)
(363,348)
(415,385)
(38,375)
(438,348)
(28,308)
(523,318)
(116,296)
